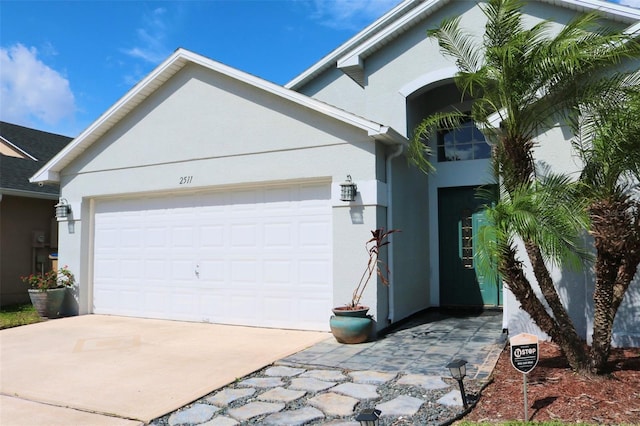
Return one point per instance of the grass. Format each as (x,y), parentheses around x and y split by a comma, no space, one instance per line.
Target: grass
(17,315)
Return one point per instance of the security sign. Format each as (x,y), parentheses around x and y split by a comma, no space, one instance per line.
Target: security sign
(524,352)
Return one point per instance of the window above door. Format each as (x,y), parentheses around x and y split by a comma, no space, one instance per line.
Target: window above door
(463,143)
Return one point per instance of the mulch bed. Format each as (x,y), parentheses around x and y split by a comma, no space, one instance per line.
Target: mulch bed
(556,393)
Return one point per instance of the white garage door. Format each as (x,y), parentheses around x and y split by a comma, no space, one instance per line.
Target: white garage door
(259,257)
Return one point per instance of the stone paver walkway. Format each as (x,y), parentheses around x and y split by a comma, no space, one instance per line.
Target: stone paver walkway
(402,373)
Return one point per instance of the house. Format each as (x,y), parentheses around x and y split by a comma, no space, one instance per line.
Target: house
(28,229)
(208,194)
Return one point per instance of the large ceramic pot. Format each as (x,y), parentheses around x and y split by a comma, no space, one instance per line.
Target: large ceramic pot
(48,303)
(351,325)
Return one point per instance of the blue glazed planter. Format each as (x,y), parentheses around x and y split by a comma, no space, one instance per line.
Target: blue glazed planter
(348,329)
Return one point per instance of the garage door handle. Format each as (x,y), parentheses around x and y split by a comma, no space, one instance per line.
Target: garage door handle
(197,271)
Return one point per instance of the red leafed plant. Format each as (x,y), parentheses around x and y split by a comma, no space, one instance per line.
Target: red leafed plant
(375,265)
(48,280)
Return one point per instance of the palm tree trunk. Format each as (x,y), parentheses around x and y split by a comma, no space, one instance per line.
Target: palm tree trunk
(571,345)
(606,271)
(512,271)
(618,255)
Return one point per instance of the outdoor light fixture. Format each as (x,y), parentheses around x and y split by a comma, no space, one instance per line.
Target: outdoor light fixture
(348,190)
(63,209)
(369,417)
(458,369)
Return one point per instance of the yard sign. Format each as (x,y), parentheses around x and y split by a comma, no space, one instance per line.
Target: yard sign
(524,357)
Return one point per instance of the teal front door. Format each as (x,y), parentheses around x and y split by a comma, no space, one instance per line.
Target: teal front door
(460,216)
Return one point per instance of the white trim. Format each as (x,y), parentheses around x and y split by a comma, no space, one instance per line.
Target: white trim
(354,59)
(172,65)
(388,27)
(333,56)
(17,148)
(427,79)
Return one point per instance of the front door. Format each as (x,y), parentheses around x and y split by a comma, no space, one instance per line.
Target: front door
(460,216)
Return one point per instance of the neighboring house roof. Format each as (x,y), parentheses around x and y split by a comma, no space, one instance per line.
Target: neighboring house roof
(172,65)
(350,56)
(30,149)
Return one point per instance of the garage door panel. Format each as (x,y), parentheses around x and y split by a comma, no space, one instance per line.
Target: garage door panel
(212,236)
(244,235)
(278,271)
(258,257)
(314,272)
(278,235)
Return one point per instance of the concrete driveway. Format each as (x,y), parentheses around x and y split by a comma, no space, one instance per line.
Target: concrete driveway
(104,370)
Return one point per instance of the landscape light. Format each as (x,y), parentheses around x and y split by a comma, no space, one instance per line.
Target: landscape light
(369,417)
(458,369)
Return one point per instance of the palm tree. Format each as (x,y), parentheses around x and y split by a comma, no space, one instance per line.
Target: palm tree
(609,145)
(528,78)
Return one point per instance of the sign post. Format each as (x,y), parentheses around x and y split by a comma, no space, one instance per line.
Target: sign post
(524,357)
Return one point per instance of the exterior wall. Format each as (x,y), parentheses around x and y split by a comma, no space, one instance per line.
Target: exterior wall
(20,256)
(400,62)
(411,262)
(226,136)
(405,66)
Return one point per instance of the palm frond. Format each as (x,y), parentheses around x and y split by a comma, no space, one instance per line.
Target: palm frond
(419,149)
(548,213)
(458,44)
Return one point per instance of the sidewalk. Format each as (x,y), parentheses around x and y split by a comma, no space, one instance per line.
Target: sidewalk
(403,374)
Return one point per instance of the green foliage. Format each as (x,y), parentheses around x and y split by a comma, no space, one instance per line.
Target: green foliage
(530,77)
(525,80)
(419,149)
(52,279)
(17,315)
(548,212)
(609,144)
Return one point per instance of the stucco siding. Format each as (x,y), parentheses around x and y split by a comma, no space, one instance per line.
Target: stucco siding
(203,115)
(411,261)
(335,88)
(235,138)
(19,218)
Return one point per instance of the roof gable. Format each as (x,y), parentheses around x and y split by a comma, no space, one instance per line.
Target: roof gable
(171,66)
(34,147)
(350,56)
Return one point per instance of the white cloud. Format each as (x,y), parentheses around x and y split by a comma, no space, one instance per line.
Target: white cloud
(31,90)
(151,38)
(350,14)
(632,3)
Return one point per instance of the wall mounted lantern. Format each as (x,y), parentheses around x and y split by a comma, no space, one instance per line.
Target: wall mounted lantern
(348,190)
(63,209)
(369,417)
(458,369)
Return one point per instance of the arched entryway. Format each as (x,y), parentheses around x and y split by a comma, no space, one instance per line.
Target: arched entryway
(462,160)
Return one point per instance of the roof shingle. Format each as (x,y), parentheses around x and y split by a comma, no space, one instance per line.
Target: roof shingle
(15,172)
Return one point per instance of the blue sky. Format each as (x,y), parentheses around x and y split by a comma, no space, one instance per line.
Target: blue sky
(63,63)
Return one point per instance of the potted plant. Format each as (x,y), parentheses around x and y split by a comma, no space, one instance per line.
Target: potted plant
(351,323)
(48,290)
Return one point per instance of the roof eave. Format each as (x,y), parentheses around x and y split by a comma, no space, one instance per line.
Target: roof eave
(50,172)
(330,59)
(351,55)
(28,194)
(388,136)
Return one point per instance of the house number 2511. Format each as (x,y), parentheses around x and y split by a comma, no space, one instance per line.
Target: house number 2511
(184,180)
